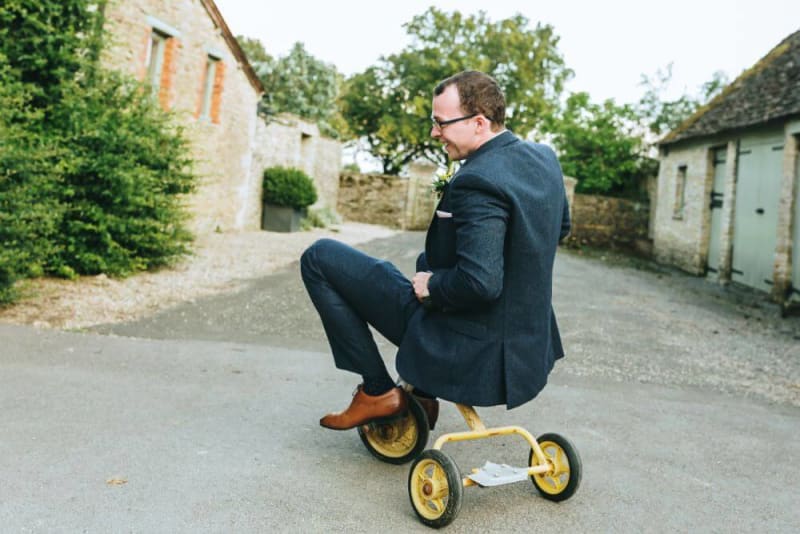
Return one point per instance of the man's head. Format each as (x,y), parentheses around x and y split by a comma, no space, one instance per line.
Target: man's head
(468,110)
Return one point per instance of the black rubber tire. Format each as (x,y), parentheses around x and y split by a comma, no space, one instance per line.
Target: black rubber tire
(401,440)
(574,465)
(434,464)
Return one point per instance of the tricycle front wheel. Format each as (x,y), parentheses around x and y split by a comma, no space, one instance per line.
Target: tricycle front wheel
(562,480)
(435,488)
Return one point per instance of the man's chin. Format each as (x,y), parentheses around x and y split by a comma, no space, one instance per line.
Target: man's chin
(452,153)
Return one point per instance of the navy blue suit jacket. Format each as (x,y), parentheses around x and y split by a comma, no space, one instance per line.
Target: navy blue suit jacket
(488,335)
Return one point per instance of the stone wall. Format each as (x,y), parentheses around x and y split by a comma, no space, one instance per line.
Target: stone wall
(609,222)
(681,235)
(404,202)
(227,196)
(420,199)
(289,141)
(569,187)
(374,199)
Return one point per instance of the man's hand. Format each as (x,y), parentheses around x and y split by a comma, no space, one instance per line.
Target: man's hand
(420,283)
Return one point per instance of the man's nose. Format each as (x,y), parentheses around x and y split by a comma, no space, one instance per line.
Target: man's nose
(435,132)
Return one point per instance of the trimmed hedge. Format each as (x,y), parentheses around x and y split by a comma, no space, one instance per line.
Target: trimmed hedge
(288,187)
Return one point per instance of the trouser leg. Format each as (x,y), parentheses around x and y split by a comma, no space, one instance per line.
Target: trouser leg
(352,290)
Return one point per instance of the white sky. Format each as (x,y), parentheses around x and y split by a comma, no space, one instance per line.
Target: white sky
(609,44)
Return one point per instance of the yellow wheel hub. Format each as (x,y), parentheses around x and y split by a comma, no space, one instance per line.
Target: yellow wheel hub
(429,489)
(556,478)
(394,439)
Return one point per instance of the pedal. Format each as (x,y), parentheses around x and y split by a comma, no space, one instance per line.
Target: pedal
(492,474)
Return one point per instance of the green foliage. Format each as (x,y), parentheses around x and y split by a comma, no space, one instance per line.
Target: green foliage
(127,170)
(662,116)
(599,145)
(389,104)
(297,83)
(44,42)
(254,50)
(30,178)
(319,218)
(351,167)
(288,187)
(91,171)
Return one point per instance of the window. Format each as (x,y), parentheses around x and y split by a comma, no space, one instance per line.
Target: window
(155,59)
(159,63)
(680,193)
(210,96)
(208,87)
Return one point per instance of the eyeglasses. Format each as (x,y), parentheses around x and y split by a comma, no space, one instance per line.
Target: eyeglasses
(441,124)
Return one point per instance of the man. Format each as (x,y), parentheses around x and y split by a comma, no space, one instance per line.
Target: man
(475,324)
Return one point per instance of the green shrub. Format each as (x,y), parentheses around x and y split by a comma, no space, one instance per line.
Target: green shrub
(92,172)
(30,178)
(288,187)
(127,174)
(319,218)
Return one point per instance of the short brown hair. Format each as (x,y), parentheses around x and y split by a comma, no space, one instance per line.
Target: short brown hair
(478,93)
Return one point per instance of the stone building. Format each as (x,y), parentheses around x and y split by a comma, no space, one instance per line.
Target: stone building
(728,193)
(188,55)
(186,52)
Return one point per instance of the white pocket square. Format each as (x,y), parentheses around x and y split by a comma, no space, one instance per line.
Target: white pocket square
(444,214)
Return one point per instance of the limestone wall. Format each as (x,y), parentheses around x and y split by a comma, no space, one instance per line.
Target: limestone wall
(373,199)
(404,202)
(609,222)
(569,187)
(681,234)
(227,195)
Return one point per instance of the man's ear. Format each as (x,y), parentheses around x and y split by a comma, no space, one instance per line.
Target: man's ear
(483,123)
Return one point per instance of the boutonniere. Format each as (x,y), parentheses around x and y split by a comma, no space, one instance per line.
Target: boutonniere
(441,178)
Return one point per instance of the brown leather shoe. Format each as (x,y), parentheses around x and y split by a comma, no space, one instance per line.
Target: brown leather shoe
(365,408)
(431,407)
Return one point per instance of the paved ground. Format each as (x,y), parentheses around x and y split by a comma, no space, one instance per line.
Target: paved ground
(683,400)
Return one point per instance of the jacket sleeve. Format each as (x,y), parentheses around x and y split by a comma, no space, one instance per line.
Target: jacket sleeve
(480,215)
(422,263)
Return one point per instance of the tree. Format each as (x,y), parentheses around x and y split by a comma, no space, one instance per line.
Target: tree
(600,145)
(297,83)
(254,50)
(389,103)
(662,116)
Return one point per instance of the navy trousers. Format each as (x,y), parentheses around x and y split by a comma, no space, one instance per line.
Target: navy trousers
(350,291)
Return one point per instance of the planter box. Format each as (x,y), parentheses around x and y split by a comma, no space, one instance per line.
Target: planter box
(280,218)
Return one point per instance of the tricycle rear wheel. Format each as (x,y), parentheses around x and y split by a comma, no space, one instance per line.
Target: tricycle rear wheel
(400,440)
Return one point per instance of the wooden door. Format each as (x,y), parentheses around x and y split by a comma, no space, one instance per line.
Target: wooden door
(759,170)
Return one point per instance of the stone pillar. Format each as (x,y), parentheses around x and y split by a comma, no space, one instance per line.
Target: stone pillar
(728,212)
(569,185)
(420,198)
(782,273)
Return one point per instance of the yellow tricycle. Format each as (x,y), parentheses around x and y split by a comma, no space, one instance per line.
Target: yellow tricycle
(435,484)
